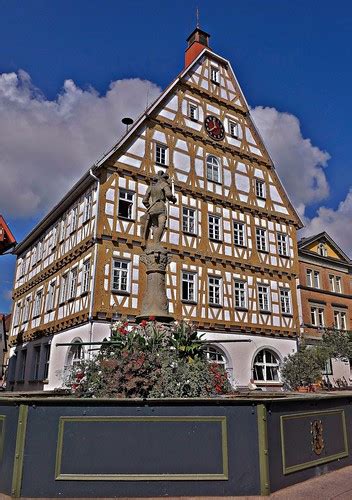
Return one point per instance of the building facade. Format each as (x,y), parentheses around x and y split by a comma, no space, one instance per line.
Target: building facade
(326,295)
(231,233)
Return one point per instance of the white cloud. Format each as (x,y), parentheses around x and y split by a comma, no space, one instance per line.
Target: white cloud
(337,223)
(300,164)
(46,145)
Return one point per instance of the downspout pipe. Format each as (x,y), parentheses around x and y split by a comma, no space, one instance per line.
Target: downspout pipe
(90,318)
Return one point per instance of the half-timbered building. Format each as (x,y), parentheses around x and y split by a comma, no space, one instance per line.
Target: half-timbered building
(231,234)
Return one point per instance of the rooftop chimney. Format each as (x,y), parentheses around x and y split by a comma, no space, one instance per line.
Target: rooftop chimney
(197,41)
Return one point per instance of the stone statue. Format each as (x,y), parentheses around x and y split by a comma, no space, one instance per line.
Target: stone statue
(154,200)
(155,257)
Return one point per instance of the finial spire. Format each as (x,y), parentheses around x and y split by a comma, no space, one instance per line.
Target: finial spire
(197,16)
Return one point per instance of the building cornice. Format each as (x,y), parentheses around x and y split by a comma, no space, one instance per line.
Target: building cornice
(324,292)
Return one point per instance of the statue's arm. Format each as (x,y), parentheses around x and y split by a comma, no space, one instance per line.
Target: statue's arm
(168,193)
(146,198)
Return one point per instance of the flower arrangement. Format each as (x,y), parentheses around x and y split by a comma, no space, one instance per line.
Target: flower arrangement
(150,360)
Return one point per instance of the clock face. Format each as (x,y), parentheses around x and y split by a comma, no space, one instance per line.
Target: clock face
(214,127)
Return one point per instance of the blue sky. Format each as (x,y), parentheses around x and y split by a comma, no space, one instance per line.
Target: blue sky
(293,56)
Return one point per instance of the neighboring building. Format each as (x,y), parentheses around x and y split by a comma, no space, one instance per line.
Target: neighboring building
(325,294)
(5,323)
(232,234)
(7,239)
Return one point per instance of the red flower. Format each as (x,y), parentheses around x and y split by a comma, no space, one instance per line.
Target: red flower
(144,323)
(152,318)
(123,330)
(79,375)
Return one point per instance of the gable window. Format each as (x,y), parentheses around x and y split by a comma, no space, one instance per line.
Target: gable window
(73,284)
(87,206)
(51,296)
(239,234)
(214,290)
(260,238)
(189,220)
(240,288)
(340,320)
(282,244)
(322,250)
(263,298)
(233,129)
(37,304)
(214,227)
(120,275)
(85,276)
(126,204)
(189,286)
(213,169)
(317,316)
(260,189)
(64,288)
(160,154)
(266,366)
(214,74)
(285,301)
(193,111)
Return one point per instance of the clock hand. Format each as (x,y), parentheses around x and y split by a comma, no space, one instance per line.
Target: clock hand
(211,129)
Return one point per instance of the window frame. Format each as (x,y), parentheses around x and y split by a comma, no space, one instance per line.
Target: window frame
(265,236)
(129,203)
(285,301)
(213,164)
(212,227)
(260,192)
(85,283)
(188,217)
(232,125)
(37,304)
(244,234)
(159,148)
(316,314)
(266,365)
(87,207)
(193,283)
(264,295)
(51,296)
(214,287)
(214,74)
(72,285)
(193,106)
(120,271)
(239,294)
(282,245)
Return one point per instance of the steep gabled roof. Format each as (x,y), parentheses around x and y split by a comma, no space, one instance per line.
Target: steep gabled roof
(88,177)
(7,239)
(305,243)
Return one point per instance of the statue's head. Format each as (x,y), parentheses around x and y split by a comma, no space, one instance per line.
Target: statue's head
(160,176)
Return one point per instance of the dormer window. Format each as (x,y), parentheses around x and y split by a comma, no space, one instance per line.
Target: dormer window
(214,74)
(322,250)
(193,111)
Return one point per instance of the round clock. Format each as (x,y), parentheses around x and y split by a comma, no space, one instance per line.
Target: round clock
(214,127)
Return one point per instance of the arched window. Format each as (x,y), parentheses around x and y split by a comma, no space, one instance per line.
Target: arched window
(322,250)
(214,355)
(266,366)
(213,169)
(75,354)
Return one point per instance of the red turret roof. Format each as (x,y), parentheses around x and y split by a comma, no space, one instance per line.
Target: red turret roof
(7,239)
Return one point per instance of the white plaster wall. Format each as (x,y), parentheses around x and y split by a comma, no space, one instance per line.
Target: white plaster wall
(340,370)
(241,354)
(94,332)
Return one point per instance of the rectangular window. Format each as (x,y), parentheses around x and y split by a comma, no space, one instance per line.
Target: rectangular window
(34,257)
(260,238)
(240,288)
(309,274)
(64,288)
(259,189)
(316,279)
(73,284)
(126,204)
(332,282)
(120,276)
(46,361)
(213,169)
(282,244)
(214,227)
(87,207)
(340,320)
(22,268)
(214,74)
(26,309)
(338,284)
(189,286)
(86,276)
(285,301)
(74,219)
(40,251)
(188,220)
(239,234)
(214,290)
(193,111)
(37,304)
(62,230)
(160,154)
(53,238)
(22,371)
(317,316)
(17,315)
(233,129)
(36,363)
(51,296)
(263,298)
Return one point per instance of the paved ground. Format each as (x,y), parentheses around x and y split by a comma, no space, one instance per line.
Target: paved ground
(337,484)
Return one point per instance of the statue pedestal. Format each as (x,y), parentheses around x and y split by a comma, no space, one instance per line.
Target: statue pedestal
(155,302)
